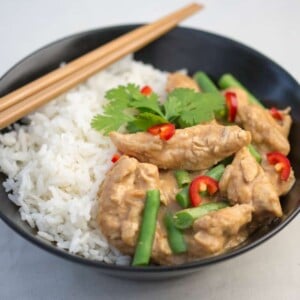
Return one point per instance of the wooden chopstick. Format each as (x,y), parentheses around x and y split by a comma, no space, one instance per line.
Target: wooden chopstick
(35,94)
(90,57)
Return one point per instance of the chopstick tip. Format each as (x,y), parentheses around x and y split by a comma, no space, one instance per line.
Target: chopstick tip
(197,6)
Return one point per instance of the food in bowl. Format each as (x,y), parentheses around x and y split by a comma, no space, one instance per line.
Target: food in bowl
(56,164)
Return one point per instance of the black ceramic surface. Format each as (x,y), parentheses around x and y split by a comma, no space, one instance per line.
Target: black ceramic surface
(181,48)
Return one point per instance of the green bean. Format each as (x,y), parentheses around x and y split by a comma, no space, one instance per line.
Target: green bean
(175,236)
(208,86)
(184,218)
(254,153)
(216,172)
(183,198)
(228,81)
(182,177)
(146,235)
(205,82)
(227,161)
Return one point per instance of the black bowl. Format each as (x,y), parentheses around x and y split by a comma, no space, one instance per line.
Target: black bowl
(181,48)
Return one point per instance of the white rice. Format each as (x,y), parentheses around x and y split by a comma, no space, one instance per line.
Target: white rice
(56,164)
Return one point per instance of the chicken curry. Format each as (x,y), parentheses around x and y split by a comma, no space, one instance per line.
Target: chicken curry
(187,186)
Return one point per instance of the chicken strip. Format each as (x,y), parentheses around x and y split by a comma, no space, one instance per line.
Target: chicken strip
(121,201)
(245,182)
(201,146)
(286,122)
(222,229)
(179,80)
(267,134)
(281,186)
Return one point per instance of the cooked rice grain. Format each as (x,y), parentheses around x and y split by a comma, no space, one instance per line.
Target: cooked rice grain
(56,164)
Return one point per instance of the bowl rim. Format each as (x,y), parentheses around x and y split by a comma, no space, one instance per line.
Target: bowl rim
(38,241)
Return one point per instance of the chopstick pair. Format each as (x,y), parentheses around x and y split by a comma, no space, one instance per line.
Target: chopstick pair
(28,98)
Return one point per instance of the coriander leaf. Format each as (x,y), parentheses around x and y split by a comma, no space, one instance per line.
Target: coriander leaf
(209,104)
(130,96)
(116,112)
(172,108)
(132,128)
(143,121)
(188,119)
(213,101)
(121,95)
(179,100)
(124,103)
(108,123)
(188,108)
(146,103)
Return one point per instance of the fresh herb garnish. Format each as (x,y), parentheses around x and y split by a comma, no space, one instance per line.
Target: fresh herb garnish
(187,108)
(143,121)
(127,106)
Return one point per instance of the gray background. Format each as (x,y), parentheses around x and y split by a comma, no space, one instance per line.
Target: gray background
(271,271)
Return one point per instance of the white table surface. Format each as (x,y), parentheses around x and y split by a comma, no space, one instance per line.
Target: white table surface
(271,271)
